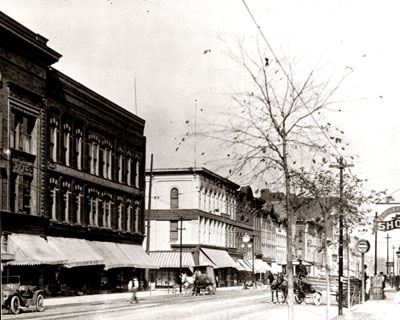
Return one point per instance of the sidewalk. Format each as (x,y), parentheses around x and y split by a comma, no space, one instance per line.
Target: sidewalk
(375,309)
(97,298)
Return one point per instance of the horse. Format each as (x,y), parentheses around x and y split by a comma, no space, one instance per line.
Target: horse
(188,283)
(279,284)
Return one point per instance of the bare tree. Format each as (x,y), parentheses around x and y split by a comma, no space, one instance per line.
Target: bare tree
(273,130)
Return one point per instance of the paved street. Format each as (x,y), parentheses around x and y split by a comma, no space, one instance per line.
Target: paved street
(238,304)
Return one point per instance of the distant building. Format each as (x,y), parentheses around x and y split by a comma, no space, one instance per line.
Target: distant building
(72,173)
(215,215)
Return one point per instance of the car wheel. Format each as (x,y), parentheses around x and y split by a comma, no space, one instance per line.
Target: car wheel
(40,302)
(15,305)
(317,298)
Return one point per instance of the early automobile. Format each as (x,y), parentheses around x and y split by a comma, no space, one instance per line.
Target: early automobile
(17,297)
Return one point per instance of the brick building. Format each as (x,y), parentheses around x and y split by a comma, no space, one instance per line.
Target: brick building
(72,169)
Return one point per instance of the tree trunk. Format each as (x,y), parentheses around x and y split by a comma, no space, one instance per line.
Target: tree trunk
(289,242)
(327,270)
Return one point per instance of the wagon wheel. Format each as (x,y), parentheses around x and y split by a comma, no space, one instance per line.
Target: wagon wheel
(317,298)
(299,297)
(39,302)
(15,305)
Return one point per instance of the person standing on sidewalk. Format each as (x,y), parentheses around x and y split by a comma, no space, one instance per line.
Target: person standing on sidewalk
(133,286)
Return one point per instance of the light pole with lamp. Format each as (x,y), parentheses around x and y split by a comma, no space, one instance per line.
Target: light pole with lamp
(249,244)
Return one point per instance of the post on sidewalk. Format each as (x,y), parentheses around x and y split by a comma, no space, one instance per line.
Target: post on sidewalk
(363,247)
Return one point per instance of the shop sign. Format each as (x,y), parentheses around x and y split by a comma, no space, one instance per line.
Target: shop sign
(389,225)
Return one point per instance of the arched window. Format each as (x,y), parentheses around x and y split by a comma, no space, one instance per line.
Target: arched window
(174,198)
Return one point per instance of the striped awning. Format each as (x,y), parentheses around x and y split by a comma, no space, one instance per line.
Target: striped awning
(138,256)
(171,259)
(239,267)
(260,266)
(220,258)
(30,250)
(77,252)
(245,265)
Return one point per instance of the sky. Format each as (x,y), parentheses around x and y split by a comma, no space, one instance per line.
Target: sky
(174,52)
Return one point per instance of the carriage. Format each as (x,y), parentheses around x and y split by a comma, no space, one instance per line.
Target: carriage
(202,283)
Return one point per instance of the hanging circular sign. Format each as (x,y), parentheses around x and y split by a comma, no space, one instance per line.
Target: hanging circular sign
(363,246)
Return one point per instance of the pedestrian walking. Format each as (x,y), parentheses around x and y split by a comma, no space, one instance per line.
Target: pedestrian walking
(133,286)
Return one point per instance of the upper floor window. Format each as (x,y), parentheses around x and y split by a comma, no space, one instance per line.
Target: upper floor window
(173,231)
(137,173)
(53,137)
(94,157)
(78,149)
(106,212)
(22,126)
(67,145)
(174,198)
(129,171)
(120,165)
(26,194)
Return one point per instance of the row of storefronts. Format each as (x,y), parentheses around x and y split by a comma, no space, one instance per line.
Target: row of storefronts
(70,266)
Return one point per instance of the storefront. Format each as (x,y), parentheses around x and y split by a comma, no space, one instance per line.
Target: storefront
(70,266)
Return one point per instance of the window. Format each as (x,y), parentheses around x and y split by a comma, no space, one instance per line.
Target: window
(120,165)
(129,171)
(129,217)
(137,173)
(119,212)
(67,145)
(26,194)
(66,202)
(78,204)
(174,198)
(94,211)
(13,193)
(78,149)
(22,127)
(173,231)
(107,213)
(136,217)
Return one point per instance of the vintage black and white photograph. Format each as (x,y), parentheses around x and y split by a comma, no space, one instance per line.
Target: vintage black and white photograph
(196,160)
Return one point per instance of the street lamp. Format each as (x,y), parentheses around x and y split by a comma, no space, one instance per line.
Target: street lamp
(248,241)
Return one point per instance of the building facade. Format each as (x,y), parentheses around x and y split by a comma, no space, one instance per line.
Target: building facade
(206,216)
(72,174)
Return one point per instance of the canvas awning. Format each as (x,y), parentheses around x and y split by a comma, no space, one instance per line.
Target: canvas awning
(220,258)
(245,265)
(112,255)
(260,266)
(205,261)
(138,256)
(239,267)
(32,250)
(275,268)
(77,252)
(171,259)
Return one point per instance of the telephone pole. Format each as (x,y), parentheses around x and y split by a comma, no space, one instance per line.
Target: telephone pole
(341,166)
(387,255)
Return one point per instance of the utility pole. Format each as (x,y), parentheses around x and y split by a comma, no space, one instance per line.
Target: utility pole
(180,256)
(387,254)
(341,166)
(148,219)
(149,206)
(394,270)
(376,243)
